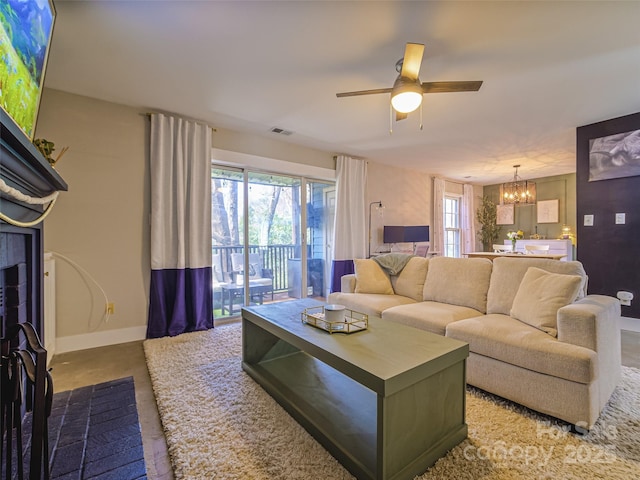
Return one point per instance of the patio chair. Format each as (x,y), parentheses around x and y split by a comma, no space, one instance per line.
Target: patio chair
(260,279)
(217,278)
(531,249)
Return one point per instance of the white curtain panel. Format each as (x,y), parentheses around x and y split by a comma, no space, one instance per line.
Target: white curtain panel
(350,220)
(180,160)
(350,230)
(468,240)
(180,297)
(437,240)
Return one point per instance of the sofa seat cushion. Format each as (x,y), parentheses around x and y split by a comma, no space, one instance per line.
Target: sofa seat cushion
(512,341)
(369,303)
(458,281)
(431,316)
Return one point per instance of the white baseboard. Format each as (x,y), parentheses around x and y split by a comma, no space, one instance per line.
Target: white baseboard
(73,343)
(631,324)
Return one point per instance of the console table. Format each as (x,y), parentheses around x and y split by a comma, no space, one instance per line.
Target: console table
(492,255)
(556,246)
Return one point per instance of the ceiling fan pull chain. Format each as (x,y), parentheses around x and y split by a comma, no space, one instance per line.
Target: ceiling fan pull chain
(390,119)
(421,115)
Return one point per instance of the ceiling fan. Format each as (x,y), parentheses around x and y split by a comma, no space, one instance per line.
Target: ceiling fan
(407,91)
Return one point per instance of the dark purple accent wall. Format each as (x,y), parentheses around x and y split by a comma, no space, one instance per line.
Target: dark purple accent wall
(610,253)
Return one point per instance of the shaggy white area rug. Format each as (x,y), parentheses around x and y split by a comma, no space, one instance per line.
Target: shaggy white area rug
(220,424)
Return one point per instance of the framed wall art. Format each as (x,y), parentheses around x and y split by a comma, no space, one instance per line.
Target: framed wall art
(25,37)
(614,156)
(504,214)
(547,211)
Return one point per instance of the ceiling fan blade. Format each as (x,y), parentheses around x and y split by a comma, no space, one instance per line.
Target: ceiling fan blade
(363,92)
(411,61)
(443,87)
(401,116)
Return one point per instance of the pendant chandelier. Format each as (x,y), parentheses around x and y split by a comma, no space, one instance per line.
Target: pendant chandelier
(518,191)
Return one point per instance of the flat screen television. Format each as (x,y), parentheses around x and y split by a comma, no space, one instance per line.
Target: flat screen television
(26,27)
(400,234)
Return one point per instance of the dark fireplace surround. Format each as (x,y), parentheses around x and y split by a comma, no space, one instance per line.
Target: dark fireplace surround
(21,248)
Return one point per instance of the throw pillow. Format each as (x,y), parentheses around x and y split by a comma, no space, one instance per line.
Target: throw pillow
(410,280)
(540,295)
(370,278)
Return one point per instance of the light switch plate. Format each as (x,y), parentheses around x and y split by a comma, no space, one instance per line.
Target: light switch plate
(588,220)
(620,218)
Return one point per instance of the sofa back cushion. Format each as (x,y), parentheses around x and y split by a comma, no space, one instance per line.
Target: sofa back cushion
(508,273)
(370,278)
(458,281)
(410,281)
(540,295)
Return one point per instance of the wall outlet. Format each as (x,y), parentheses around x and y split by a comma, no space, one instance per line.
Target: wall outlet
(625,298)
(620,219)
(588,220)
(111,308)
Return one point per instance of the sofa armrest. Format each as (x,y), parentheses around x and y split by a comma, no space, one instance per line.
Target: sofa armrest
(348,283)
(591,322)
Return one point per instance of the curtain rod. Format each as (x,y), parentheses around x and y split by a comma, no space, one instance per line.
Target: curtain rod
(453,181)
(148,114)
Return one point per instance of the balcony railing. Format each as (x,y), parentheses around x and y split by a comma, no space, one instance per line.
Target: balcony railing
(273,257)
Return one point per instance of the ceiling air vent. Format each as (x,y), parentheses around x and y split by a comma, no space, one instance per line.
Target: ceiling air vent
(281,131)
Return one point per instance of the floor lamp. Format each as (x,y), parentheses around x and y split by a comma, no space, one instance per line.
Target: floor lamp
(379,208)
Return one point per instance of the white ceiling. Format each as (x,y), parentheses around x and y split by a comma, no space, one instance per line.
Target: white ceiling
(547,67)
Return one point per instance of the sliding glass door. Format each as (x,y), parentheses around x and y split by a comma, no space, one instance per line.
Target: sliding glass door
(280,252)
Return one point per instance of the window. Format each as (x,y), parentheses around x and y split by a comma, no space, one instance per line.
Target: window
(451,226)
(264,213)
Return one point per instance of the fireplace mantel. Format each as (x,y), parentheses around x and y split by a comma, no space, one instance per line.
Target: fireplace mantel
(24,168)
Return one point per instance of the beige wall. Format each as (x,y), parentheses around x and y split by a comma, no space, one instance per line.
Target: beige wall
(101,224)
(405,194)
(257,146)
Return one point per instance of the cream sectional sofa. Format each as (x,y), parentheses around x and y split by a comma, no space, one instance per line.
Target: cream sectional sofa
(535,337)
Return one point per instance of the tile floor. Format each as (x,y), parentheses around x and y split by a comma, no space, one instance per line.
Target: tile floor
(87,367)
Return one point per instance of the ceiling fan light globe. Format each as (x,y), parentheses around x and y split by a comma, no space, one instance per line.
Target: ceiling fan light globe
(406,102)
(406,95)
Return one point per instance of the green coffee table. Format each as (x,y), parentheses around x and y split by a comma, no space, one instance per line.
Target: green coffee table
(387,402)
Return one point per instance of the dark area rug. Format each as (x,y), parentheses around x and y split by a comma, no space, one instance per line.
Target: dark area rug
(94,433)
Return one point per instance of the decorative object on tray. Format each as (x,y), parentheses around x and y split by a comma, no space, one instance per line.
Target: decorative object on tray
(513,236)
(335,318)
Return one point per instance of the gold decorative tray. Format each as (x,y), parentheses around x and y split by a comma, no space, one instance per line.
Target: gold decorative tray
(353,321)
